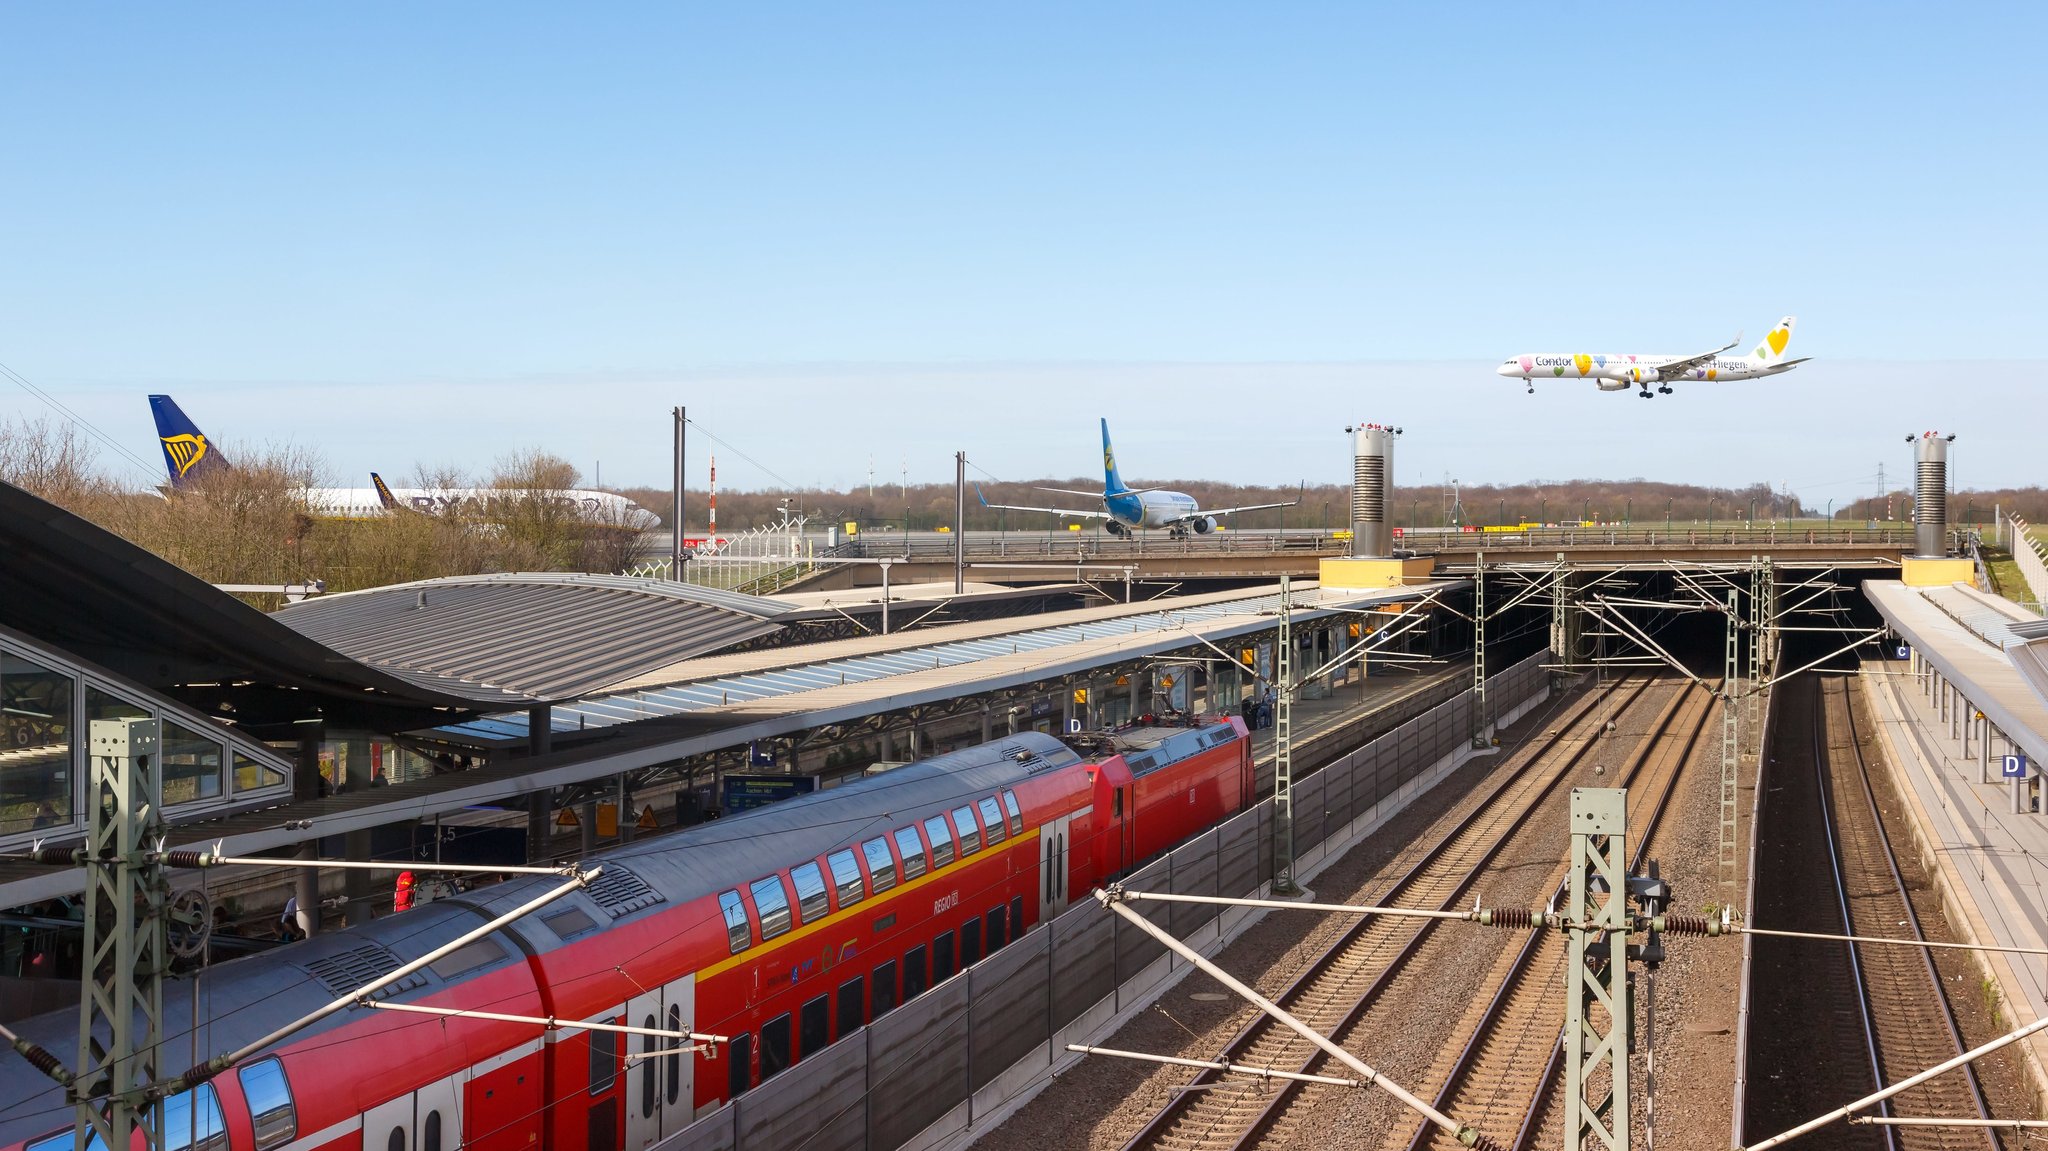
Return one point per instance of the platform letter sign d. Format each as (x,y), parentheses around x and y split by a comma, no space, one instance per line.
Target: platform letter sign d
(2013,767)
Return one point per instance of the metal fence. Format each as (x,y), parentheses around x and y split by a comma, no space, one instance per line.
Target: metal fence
(972,1046)
(2028,555)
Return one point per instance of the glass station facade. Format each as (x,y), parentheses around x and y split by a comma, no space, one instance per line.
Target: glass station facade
(47,705)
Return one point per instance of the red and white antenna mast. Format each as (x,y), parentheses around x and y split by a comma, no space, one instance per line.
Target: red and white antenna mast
(711,529)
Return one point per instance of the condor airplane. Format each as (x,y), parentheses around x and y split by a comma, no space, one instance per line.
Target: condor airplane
(190,456)
(1619,373)
(1129,509)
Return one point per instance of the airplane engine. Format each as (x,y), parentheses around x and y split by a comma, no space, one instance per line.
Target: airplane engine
(1614,385)
(1204,526)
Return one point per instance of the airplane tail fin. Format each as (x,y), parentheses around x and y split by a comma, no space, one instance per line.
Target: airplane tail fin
(188,454)
(1772,350)
(1112,483)
(384,495)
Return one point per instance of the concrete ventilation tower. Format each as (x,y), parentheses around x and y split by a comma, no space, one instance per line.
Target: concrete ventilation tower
(1372,563)
(1372,470)
(1930,565)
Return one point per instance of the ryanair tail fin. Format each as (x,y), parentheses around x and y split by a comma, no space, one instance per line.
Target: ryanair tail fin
(384,495)
(1772,350)
(1112,483)
(188,454)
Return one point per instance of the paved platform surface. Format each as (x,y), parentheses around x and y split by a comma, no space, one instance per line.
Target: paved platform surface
(1992,862)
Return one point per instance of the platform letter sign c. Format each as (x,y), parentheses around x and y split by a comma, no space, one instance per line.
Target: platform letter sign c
(1902,652)
(2013,767)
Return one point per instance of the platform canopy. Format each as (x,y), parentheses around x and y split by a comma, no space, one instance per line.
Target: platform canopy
(544,636)
(82,589)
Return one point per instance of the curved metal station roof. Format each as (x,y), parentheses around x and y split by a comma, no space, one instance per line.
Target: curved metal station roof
(1975,641)
(83,589)
(539,635)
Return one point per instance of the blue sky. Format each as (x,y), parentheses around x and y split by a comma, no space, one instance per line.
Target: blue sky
(402,234)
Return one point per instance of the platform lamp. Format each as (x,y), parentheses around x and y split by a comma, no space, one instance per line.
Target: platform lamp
(1667,514)
(1502,518)
(1628,511)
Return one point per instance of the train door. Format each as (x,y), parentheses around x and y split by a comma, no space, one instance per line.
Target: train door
(1053,867)
(1127,806)
(659,1092)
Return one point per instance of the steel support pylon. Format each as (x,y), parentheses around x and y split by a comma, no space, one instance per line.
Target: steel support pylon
(1731,742)
(127,896)
(1283,745)
(1597,1014)
(1481,721)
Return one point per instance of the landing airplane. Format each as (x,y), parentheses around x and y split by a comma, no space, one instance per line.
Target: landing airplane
(190,457)
(1128,510)
(1619,373)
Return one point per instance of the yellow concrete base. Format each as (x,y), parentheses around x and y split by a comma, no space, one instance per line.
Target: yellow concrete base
(1345,572)
(1918,572)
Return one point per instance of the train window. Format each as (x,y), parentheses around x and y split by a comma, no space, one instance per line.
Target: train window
(935,829)
(739,1065)
(774,1047)
(1116,803)
(1016,813)
(970,943)
(1016,917)
(574,922)
(885,991)
(735,920)
(845,877)
(970,831)
(192,1121)
(992,819)
(468,958)
(913,972)
(998,930)
(911,848)
(814,1027)
(849,1006)
(604,1060)
(430,1132)
(396,1140)
(674,1063)
(810,891)
(649,1089)
(881,865)
(270,1103)
(942,957)
(773,903)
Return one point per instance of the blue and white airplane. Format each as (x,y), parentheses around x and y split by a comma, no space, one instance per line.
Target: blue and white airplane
(1128,510)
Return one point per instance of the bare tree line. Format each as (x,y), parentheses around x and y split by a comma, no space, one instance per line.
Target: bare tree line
(254,523)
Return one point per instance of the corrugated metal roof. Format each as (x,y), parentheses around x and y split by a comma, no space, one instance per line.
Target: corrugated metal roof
(544,635)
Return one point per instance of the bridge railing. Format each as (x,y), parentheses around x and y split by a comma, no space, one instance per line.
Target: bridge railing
(2031,557)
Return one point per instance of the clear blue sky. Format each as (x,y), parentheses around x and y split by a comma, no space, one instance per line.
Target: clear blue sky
(403,233)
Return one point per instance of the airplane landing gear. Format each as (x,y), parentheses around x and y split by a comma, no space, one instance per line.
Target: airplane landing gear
(1665,388)
(1532,389)
(1645,393)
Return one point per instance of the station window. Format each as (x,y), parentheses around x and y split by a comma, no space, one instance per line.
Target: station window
(191,765)
(1016,813)
(911,848)
(270,1103)
(735,920)
(254,775)
(810,891)
(935,829)
(970,831)
(773,904)
(192,1121)
(881,865)
(992,819)
(35,732)
(846,876)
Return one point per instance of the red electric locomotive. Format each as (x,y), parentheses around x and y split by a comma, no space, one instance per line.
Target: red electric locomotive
(783,928)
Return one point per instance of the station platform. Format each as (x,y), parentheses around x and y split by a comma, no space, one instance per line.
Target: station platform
(1982,841)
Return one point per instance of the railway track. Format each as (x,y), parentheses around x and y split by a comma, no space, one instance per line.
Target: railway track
(1334,991)
(1906,1020)
(1504,1074)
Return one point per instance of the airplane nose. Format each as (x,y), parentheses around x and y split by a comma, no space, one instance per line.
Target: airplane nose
(1507,369)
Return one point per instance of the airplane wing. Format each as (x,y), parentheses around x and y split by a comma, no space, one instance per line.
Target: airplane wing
(1247,508)
(1681,366)
(1101,515)
(1095,495)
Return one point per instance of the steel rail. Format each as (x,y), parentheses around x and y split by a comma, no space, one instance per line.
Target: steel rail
(1585,711)
(1831,834)
(1693,706)
(1891,862)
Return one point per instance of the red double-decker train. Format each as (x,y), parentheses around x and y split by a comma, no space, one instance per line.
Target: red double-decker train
(782,928)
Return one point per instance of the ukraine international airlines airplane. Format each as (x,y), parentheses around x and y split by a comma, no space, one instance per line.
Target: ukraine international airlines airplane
(1129,509)
(190,455)
(1619,373)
